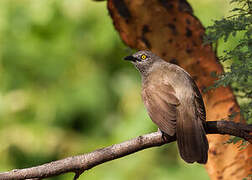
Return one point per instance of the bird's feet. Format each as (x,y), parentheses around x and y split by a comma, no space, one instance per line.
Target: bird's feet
(163,134)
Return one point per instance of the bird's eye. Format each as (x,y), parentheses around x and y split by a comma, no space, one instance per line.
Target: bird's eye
(143,57)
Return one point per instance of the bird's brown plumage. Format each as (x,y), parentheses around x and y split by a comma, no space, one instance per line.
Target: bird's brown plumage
(174,104)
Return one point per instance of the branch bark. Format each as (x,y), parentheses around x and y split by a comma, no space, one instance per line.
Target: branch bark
(78,164)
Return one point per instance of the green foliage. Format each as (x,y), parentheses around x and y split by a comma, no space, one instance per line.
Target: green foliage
(234,140)
(238,74)
(248,178)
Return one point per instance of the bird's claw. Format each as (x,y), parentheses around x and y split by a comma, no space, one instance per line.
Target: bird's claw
(163,134)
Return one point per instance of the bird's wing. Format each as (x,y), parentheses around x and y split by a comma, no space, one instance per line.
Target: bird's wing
(161,103)
(191,136)
(200,108)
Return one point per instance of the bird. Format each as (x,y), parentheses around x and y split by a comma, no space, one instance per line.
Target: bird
(174,103)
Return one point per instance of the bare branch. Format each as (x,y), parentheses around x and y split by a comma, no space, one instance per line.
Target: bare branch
(79,164)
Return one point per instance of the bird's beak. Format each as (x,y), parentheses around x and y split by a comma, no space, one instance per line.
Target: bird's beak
(130,58)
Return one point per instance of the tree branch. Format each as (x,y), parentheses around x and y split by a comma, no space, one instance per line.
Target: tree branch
(78,164)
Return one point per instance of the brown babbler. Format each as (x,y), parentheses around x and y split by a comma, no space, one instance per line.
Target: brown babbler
(174,104)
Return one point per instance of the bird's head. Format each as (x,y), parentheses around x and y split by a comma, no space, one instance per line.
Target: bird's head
(143,60)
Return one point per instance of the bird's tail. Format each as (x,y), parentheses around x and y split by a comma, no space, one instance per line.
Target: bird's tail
(191,139)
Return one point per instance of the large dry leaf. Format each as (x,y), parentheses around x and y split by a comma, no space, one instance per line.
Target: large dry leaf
(168,28)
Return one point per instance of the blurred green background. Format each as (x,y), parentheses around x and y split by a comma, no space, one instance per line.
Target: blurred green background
(65,90)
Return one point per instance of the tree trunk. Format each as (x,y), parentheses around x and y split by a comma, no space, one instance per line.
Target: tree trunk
(169,29)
